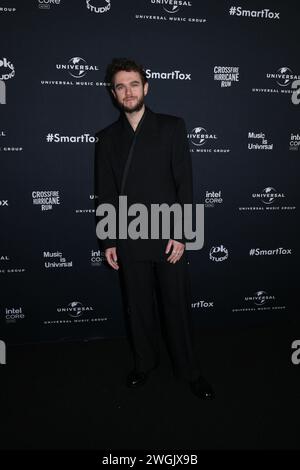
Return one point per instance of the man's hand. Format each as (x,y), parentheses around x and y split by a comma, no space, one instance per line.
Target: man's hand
(177,250)
(111,257)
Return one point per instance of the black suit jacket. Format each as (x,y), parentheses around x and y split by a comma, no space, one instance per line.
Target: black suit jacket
(160,172)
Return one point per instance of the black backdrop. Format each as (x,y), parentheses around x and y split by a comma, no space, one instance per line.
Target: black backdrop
(231,82)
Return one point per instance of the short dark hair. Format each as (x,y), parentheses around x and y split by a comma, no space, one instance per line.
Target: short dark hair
(123,63)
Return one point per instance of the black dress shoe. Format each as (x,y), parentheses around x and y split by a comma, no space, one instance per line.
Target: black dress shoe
(136,379)
(202,389)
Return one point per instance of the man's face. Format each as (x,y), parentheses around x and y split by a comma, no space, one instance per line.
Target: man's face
(129,91)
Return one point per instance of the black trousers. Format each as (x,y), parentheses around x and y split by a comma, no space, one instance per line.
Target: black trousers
(143,280)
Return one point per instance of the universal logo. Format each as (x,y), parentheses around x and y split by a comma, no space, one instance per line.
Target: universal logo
(268,197)
(200,137)
(6,260)
(8,148)
(260,298)
(218,253)
(2,352)
(171,7)
(259,301)
(296,354)
(283,76)
(98,6)
(285,79)
(76,312)
(77,67)
(75,309)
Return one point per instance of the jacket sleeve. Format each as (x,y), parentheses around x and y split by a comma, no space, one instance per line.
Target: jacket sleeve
(182,169)
(105,187)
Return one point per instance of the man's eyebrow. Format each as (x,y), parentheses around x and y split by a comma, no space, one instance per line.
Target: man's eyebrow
(131,83)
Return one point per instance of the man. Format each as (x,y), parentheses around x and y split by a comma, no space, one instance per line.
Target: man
(145,157)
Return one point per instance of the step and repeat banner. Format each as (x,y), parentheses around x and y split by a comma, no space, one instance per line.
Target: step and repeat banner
(232,71)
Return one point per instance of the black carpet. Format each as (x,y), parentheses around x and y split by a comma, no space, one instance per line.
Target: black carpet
(73,396)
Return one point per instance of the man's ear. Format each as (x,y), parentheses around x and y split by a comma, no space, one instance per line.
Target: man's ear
(146,87)
(113,92)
